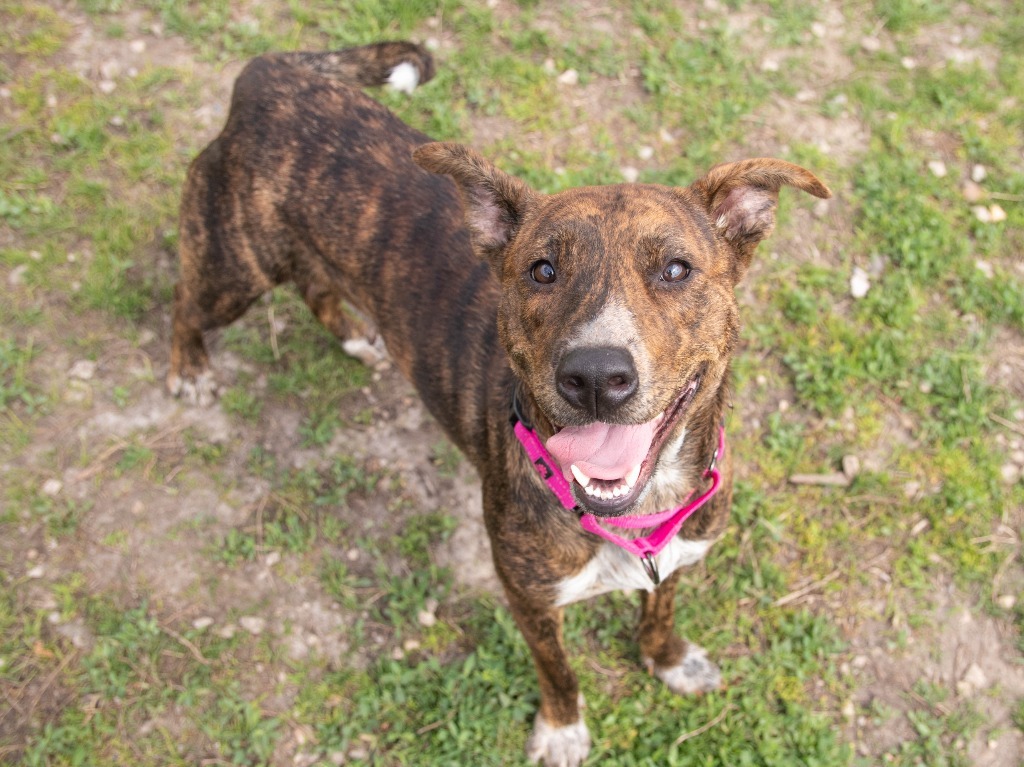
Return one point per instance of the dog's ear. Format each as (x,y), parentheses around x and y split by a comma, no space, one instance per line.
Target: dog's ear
(741,197)
(494,201)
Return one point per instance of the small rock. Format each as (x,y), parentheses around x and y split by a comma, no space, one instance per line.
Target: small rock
(851,466)
(36,572)
(770,65)
(549,66)
(203,622)
(938,168)
(397,653)
(35,255)
(645,152)
(358,752)
(820,208)
(972,192)
(984,267)
(870,44)
(411,645)
(1006,601)
(761,379)
(272,558)
(226,631)
(336,757)
(908,63)
(5,93)
(629,173)
(783,405)
(569,77)
(1010,472)
(996,214)
(1017,456)
(666,137)
(860,284)
(107,86)
(17,275)
(859,661)
(426,618)
(52,487)
(253,624)
(109,70)
(849,710)
(352,555)
(911,489)
(976,677)
(982,214)
(116,121)
(83,370)
(925,387)
(137,46)
(818,29)
(978,173)
(805,95)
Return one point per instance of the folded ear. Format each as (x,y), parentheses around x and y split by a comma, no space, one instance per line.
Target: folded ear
(494,201)
(741,197)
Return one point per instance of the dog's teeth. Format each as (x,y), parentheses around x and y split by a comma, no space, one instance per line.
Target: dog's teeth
(582,478)
(633,476)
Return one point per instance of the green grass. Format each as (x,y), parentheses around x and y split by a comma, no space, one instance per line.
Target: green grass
(904,378)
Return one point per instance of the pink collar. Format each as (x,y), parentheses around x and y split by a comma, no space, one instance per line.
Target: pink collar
(666,523)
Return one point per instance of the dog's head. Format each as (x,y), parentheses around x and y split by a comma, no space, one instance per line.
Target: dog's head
(617,304)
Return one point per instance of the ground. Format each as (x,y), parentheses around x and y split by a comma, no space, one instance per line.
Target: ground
(299,575)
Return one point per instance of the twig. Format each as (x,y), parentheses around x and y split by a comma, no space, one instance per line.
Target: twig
(273,333)
(704,728)
(191,647)
(434,725)
(1006,196)
(805,590)
(835,479)
(1008,424)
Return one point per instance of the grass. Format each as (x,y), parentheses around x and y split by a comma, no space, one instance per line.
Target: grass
(905,378)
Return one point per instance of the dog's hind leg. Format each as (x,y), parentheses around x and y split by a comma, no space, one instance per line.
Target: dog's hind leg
(682,665)
(358,337)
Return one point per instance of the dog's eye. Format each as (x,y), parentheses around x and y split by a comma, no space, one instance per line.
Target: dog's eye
(676,271)
(543,272)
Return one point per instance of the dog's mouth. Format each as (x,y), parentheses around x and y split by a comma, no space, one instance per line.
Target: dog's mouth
(609,464)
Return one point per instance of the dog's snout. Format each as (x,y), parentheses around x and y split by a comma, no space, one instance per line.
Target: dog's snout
(597,380)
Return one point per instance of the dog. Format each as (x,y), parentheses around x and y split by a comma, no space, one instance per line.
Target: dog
(575,346)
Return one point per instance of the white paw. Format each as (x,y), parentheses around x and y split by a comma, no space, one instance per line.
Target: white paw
(201,390)
(694,674)
(370,354)
(565,746)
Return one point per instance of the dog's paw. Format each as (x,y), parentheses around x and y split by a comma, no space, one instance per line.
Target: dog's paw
(693,675)
(565,746)
(370,354)
(198,390)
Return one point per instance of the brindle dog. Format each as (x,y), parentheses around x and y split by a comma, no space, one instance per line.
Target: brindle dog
(607,314)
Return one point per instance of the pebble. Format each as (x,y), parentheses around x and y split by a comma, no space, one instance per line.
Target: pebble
(851,466)
(137,46)
(805,95)
(253,624)
(109,70)
(1006,601)
(51,101)
(783,405)
(770,65)
(1017,457)
(972,192)
(908,63)
(820,208)
(83,370)
(52,487)
(871,44)
(569,77)
(976,677)
(5,93)
(17,275)
(272,558)
(996,214)
(985,268)
(352,555)
(982,214)
(117,121)
(925,387)
(645,152)
(630,174)
(107,86)
(203,622)
(911,489)
(411,645)
(978,173)
(1010,472)
(666,137)
(938,168)
(849,710)
(336,758)
(426,618)
(818,29)
(549,66)
(36,572)
(860,284)
(35,255)
(226,631)
(397,653)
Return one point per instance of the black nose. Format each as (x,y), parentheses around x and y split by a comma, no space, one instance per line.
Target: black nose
(596,379)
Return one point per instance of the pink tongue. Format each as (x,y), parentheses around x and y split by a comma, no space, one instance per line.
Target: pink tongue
(602,450)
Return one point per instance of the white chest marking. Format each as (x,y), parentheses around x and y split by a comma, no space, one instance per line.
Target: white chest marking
(614,569)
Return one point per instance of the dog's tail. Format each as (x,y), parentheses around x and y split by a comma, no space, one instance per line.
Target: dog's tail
(402,64)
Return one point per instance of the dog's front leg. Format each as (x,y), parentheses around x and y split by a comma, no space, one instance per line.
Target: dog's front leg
(560,737)
(682,665)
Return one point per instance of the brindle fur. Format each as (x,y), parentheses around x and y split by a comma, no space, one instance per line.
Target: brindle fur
(312,181)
